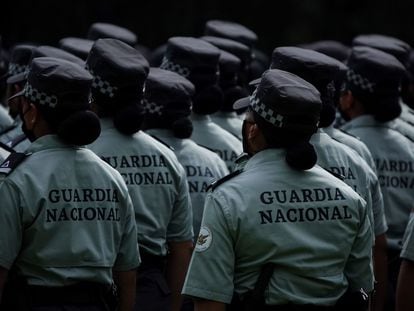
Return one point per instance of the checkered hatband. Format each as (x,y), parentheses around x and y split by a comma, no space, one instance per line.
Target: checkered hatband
(101,85)
(264,111)
(151,107)
(177,68)
(359,81)
(15,68)
(40,97)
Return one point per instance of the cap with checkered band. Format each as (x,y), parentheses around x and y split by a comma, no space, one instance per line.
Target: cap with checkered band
(316,68)
(104,30)
(21,56)
(374,73)
(76,46)
(396,47)
(191,57)
(167,93)
(118,69)
(285,100)
(231,30)
(57,84)
(50,51)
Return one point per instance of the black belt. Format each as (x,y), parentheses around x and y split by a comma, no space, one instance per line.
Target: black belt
(85,292)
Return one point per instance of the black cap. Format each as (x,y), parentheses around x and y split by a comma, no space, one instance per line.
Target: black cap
(238,49)
(50,51)
(21,56)
(229,63)
(316,68)
(56,84)
(375,77)
(76,46)
(230,30)
(105,30)
(167,92)
(191,57)
(332,48)
(391,45)
(285,100)
(119,70)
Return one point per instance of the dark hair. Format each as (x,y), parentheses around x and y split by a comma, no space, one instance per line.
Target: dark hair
(180,125)
(300,154)
(230,95)
(81,127)
(207,100)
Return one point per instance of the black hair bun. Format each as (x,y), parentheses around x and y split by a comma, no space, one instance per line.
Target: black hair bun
(128,120)
(182,128)
(208,100)
(301,156)
(80,128)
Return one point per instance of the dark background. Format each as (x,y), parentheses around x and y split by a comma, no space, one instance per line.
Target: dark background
(287,22)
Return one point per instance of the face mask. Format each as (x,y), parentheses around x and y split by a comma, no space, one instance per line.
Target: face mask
(29,134)
(244,137)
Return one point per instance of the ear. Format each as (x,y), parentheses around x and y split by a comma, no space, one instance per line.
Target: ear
(253,131)
(31,116)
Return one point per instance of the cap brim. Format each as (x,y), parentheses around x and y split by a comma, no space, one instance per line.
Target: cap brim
(241,103)
(18,94)
(255,82)
(20,77)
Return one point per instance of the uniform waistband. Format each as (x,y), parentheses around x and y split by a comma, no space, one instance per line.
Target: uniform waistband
(149,261)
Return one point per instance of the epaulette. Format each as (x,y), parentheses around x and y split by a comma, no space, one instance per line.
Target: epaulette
(349,134)
(12,161)
(339,176)
(218,182)
(7,147)
(162,142)
(17,140)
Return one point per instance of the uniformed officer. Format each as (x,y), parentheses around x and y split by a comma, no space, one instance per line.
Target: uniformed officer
(332,48)
(240,33)
(400,50)
(226,117)
(371,100)
(17,138)
(197,60)
(19,63)
(67,222)
(304,231)
(168,109)
(321,70)
(404,295)
(156,181)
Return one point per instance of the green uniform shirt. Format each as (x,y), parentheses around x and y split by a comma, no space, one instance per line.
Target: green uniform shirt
(230,122)
(342,160)
(156,182)
(202,167)
(208,134)
(311,225)
(6,121)
(407,114)
(352,142)
(394,158)
(407,251)
(66,217)
(14,131)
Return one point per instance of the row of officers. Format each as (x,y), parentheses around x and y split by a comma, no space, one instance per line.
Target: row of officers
(189,187)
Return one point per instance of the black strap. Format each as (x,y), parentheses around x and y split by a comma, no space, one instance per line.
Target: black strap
(6,147)
(17,140)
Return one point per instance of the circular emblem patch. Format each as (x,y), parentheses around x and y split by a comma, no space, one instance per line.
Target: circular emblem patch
(204,239)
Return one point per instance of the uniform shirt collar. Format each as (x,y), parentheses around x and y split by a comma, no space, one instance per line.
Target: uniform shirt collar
(107,123)
(364,120)
(166,136)
(46,142)
(264,156)
(200,117)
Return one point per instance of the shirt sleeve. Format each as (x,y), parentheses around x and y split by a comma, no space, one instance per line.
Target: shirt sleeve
(408,240)
(180,227)
(211,270)
(11,228)
(128,256)
(380,223)
(358,269)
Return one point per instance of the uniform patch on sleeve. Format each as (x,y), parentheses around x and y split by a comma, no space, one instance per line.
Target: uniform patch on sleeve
(204,239)
(13,160)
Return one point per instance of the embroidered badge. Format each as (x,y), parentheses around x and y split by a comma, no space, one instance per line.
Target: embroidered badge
(204,239)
